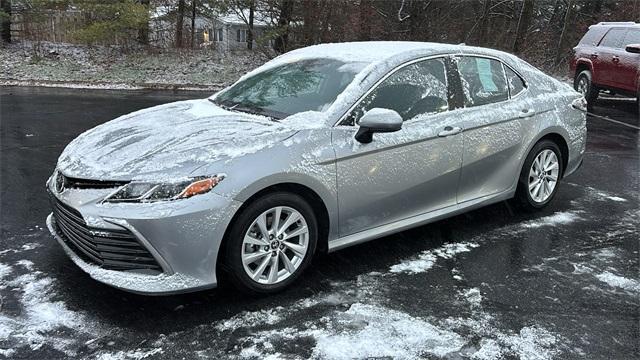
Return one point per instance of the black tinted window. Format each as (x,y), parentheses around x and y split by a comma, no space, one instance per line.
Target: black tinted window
(414,90)
(632,37)
(613,39)
(483,81)
(516,84)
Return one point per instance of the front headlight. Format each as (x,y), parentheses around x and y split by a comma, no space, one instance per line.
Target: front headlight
(142,191)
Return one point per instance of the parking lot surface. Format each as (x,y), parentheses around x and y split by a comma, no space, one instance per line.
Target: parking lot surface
(561,283)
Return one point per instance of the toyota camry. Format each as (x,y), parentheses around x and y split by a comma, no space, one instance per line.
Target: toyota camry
(319,149)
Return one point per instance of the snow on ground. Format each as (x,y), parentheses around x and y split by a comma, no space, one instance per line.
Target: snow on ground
(559,218)
(428,258)
(67,65)
(41,319)
(130,355)
(619,281)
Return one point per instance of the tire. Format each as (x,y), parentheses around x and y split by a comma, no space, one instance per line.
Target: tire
(583,84)
(525,197)
(256,278)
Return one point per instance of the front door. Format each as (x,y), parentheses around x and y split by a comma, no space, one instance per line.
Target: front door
(406,173)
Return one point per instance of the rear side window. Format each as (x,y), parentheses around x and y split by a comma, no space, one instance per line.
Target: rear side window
(613,39)
(592,37)
(483,81)
(632,37)
(516,84)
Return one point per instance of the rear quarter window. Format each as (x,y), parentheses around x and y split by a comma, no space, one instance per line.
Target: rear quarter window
(592,37)
(614,38)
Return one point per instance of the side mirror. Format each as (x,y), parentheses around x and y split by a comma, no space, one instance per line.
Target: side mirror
(633,48)
(378,120)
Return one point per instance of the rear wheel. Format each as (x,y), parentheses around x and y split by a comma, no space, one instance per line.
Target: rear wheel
(271,243)
(540,176)
(584,85)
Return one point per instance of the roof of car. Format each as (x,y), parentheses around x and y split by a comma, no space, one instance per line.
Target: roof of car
(368,51)
(618,24)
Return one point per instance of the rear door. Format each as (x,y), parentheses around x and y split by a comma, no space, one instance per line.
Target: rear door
(609,51)
(626,75)
(494,120)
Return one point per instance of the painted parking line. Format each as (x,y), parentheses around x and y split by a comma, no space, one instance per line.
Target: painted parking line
(612,120)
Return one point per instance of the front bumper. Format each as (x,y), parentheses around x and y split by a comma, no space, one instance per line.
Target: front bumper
(183,236)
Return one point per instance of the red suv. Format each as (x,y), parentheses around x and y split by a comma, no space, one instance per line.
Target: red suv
(608,58)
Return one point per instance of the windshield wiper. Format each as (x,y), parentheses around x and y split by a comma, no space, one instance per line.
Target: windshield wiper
(239,107)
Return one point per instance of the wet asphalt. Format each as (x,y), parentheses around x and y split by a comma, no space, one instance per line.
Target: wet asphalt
(560,283)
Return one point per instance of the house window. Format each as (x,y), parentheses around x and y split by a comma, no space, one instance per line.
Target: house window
(217,35)
(241,35)
(205,36)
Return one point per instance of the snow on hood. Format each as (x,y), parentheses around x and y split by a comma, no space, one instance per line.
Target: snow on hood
(170,141)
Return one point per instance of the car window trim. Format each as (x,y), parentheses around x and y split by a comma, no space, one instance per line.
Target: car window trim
(387,75)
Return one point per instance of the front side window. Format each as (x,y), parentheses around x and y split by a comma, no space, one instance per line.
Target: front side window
(614,38)
(516,84)
(417,89)
(305,85)
(483,81)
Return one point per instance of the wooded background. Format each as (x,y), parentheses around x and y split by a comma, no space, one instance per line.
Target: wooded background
(541,31)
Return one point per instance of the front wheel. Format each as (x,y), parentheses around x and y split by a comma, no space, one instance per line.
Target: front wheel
(271,243)
(540,176)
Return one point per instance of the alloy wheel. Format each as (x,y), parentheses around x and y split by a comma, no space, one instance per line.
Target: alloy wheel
(275,245)
(543,175)
(583,86)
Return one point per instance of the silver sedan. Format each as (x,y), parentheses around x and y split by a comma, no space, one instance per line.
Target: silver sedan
(319,149)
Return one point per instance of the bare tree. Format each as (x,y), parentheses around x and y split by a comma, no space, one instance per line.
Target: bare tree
(565,31)
(143,32)
(284,20)
(193,23)
(5,11)
(523,24)
(180,22)
(252,8)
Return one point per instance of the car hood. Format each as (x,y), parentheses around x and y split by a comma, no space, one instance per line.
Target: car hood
(169,140)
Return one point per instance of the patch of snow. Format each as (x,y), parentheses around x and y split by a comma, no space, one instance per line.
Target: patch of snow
(532,343)
(41,319)
(619,281)
(428,258)
(612,198)
(559,218)
(473,296)
(130,355)
(5,270)
(27,264)
(372,331)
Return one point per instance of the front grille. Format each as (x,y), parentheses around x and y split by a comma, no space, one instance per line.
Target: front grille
(66,182)
(109,249)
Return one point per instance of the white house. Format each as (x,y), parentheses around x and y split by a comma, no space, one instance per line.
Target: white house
(224,32)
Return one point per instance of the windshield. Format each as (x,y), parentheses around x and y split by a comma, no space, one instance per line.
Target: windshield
(305,85)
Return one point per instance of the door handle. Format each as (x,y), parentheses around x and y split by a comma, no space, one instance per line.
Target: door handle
(525,113)
(594,56)
(450,130)
(616,59)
